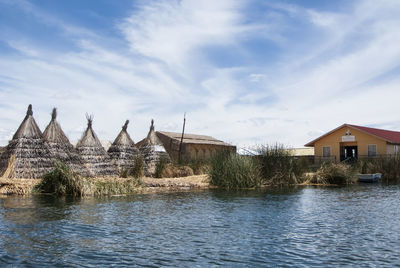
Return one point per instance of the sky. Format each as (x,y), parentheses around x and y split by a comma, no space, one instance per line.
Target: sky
(248,72)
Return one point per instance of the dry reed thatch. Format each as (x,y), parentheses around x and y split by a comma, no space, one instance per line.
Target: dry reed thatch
(2,150)
(60,147)
(153,151)
(123,151)
(95,157)
(17,187)
(27,155)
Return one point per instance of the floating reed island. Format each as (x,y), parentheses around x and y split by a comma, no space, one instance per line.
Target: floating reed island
(31,154)
(50,161)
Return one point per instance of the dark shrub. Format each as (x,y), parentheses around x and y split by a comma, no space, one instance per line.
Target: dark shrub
(138,168)
(389,166)
(331,173)
(62,181)
(278,166)
(160,166)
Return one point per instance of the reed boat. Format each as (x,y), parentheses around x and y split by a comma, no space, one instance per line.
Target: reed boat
(369,177)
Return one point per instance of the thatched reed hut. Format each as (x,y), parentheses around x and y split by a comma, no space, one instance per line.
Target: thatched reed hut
(123,151)
(27,155)
(95,157)
(152,150)
(60,147)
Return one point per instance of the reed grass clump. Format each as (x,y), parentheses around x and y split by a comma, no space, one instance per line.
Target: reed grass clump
(389,166)
(136,171)
(332,173)
(62,181)
(199,166)
(278,166)
(116,187)
(274,165)
(175,171)
(160,166)
(124,173)
(231,171)
(138,168)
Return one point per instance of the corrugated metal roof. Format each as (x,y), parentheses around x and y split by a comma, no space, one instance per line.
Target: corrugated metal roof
(194,138)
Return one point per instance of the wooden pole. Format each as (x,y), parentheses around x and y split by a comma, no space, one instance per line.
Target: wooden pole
(183,131)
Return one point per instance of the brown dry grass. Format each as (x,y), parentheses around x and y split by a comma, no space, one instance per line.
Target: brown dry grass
(196,181)
(17,186)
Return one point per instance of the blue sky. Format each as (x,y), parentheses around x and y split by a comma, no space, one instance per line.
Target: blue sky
(247,72)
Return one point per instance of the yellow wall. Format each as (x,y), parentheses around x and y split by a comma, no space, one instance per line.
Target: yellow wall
(334,140)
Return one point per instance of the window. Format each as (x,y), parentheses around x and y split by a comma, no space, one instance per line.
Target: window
(396,149)
(326,151)
(371,148)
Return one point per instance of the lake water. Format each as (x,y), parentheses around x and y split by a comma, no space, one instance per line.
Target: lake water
(301,227)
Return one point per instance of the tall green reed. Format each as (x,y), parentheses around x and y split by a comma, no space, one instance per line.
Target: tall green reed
(231,171)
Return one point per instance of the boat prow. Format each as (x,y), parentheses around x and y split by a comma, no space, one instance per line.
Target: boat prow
(369,177)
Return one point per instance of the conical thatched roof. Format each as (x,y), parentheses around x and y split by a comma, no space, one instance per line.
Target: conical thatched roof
(27,155)
(95,157)
(152,150)
(123,151)
(60,147)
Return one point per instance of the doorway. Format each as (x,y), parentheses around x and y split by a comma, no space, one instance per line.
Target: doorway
(349,153)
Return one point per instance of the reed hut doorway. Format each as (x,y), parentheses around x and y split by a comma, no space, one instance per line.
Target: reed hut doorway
(349,152)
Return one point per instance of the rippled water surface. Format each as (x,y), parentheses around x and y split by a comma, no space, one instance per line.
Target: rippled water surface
(348,226)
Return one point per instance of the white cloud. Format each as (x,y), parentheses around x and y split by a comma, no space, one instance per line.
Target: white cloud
(337,78)
(316,84)
(256,77)
(170,31)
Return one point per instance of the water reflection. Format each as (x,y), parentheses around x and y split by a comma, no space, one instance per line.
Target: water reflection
(29,228)
(25,210)
(309,226)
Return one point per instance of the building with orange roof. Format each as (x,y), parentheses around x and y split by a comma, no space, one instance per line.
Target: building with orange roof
(351,142)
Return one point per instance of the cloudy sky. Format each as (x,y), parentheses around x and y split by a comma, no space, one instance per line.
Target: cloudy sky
(247,72)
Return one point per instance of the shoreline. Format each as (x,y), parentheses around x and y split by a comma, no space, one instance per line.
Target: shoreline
(24,187)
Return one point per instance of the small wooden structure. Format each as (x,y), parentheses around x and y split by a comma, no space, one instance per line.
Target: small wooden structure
(192,146)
